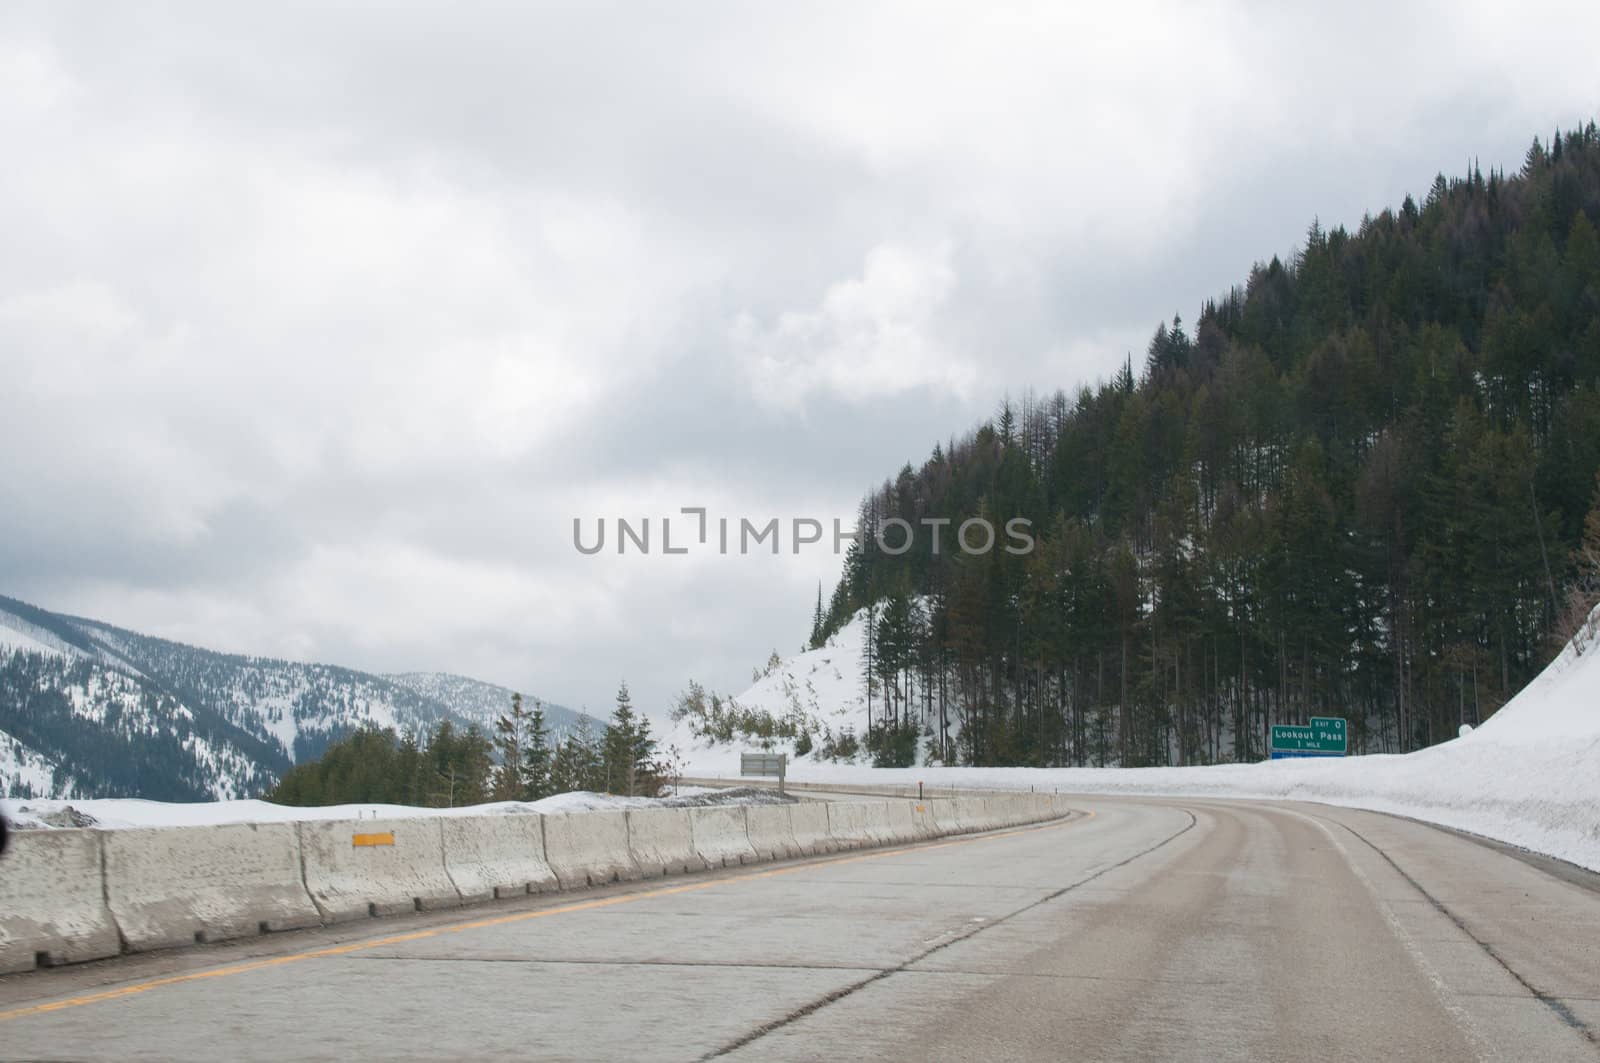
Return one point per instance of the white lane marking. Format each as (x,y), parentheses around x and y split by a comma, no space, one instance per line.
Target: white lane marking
(1446,996)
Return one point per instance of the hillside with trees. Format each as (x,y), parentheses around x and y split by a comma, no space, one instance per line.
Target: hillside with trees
(1361,484)
(88,709)
(523,760)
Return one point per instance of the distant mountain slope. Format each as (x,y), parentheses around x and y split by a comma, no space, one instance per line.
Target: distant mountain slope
(107,731)
(296,708)
(480,701)
(24,770)
(90,709)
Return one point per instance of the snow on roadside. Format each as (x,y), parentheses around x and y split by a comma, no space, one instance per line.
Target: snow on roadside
(1530,776)
(124,813)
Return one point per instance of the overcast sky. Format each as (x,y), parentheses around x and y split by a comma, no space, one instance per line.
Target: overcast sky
(319,324)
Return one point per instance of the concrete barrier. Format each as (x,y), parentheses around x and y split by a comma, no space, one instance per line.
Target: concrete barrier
(771,830)
(876,817)
(809,822)
(1020,810)
(847,825)
(944,816)
(589,848)
(661,842)
(489,857)
(52,900)
(721,835)
(999,812)
(169,887)
(992,812)
(901,818)
(63,893)
(360,867)
(924,821)
(970,814)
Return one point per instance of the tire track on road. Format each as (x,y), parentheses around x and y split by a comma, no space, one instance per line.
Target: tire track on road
(839,994)
(1555,1004)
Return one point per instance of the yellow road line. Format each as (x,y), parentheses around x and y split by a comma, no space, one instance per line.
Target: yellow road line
(500,920)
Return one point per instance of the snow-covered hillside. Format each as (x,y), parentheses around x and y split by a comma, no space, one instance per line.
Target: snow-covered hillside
(89,709)
(819,692)
(1529,776)
(77,718)
(25,771)
(480,701)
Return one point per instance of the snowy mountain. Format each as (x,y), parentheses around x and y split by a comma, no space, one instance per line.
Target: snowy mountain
(480,701)
(89,709)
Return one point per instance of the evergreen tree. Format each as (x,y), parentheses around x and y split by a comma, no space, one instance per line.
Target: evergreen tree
(462,764)
(1362,482)
(565,775)
(1589,553)
(510,740)
(377,766)
(578,763)
(536,756)
(628,751)
(647,771)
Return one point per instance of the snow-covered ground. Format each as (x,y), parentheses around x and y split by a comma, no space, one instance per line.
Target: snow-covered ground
(122,813)
(1529,776)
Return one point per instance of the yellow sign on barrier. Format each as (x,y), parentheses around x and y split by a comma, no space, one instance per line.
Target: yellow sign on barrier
(359,840)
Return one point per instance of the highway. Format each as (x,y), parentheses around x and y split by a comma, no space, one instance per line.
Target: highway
(1140,929)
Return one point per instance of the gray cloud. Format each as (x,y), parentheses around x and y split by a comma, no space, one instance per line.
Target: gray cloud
(318,324)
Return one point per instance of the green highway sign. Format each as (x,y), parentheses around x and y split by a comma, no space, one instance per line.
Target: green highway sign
(1325,737)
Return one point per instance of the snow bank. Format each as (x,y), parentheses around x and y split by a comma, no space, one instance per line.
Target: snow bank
(121,813)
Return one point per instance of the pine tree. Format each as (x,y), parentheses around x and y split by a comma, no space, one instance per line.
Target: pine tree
(563,768)
(589,750)
(1589,552)
(576,764)
(441,757)
(410,771)
(646,771)
(510,739)
(621,738)
(536,756)
(462,764)
(869,659)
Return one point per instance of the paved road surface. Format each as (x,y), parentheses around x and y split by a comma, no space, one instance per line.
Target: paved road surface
(1173,929)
